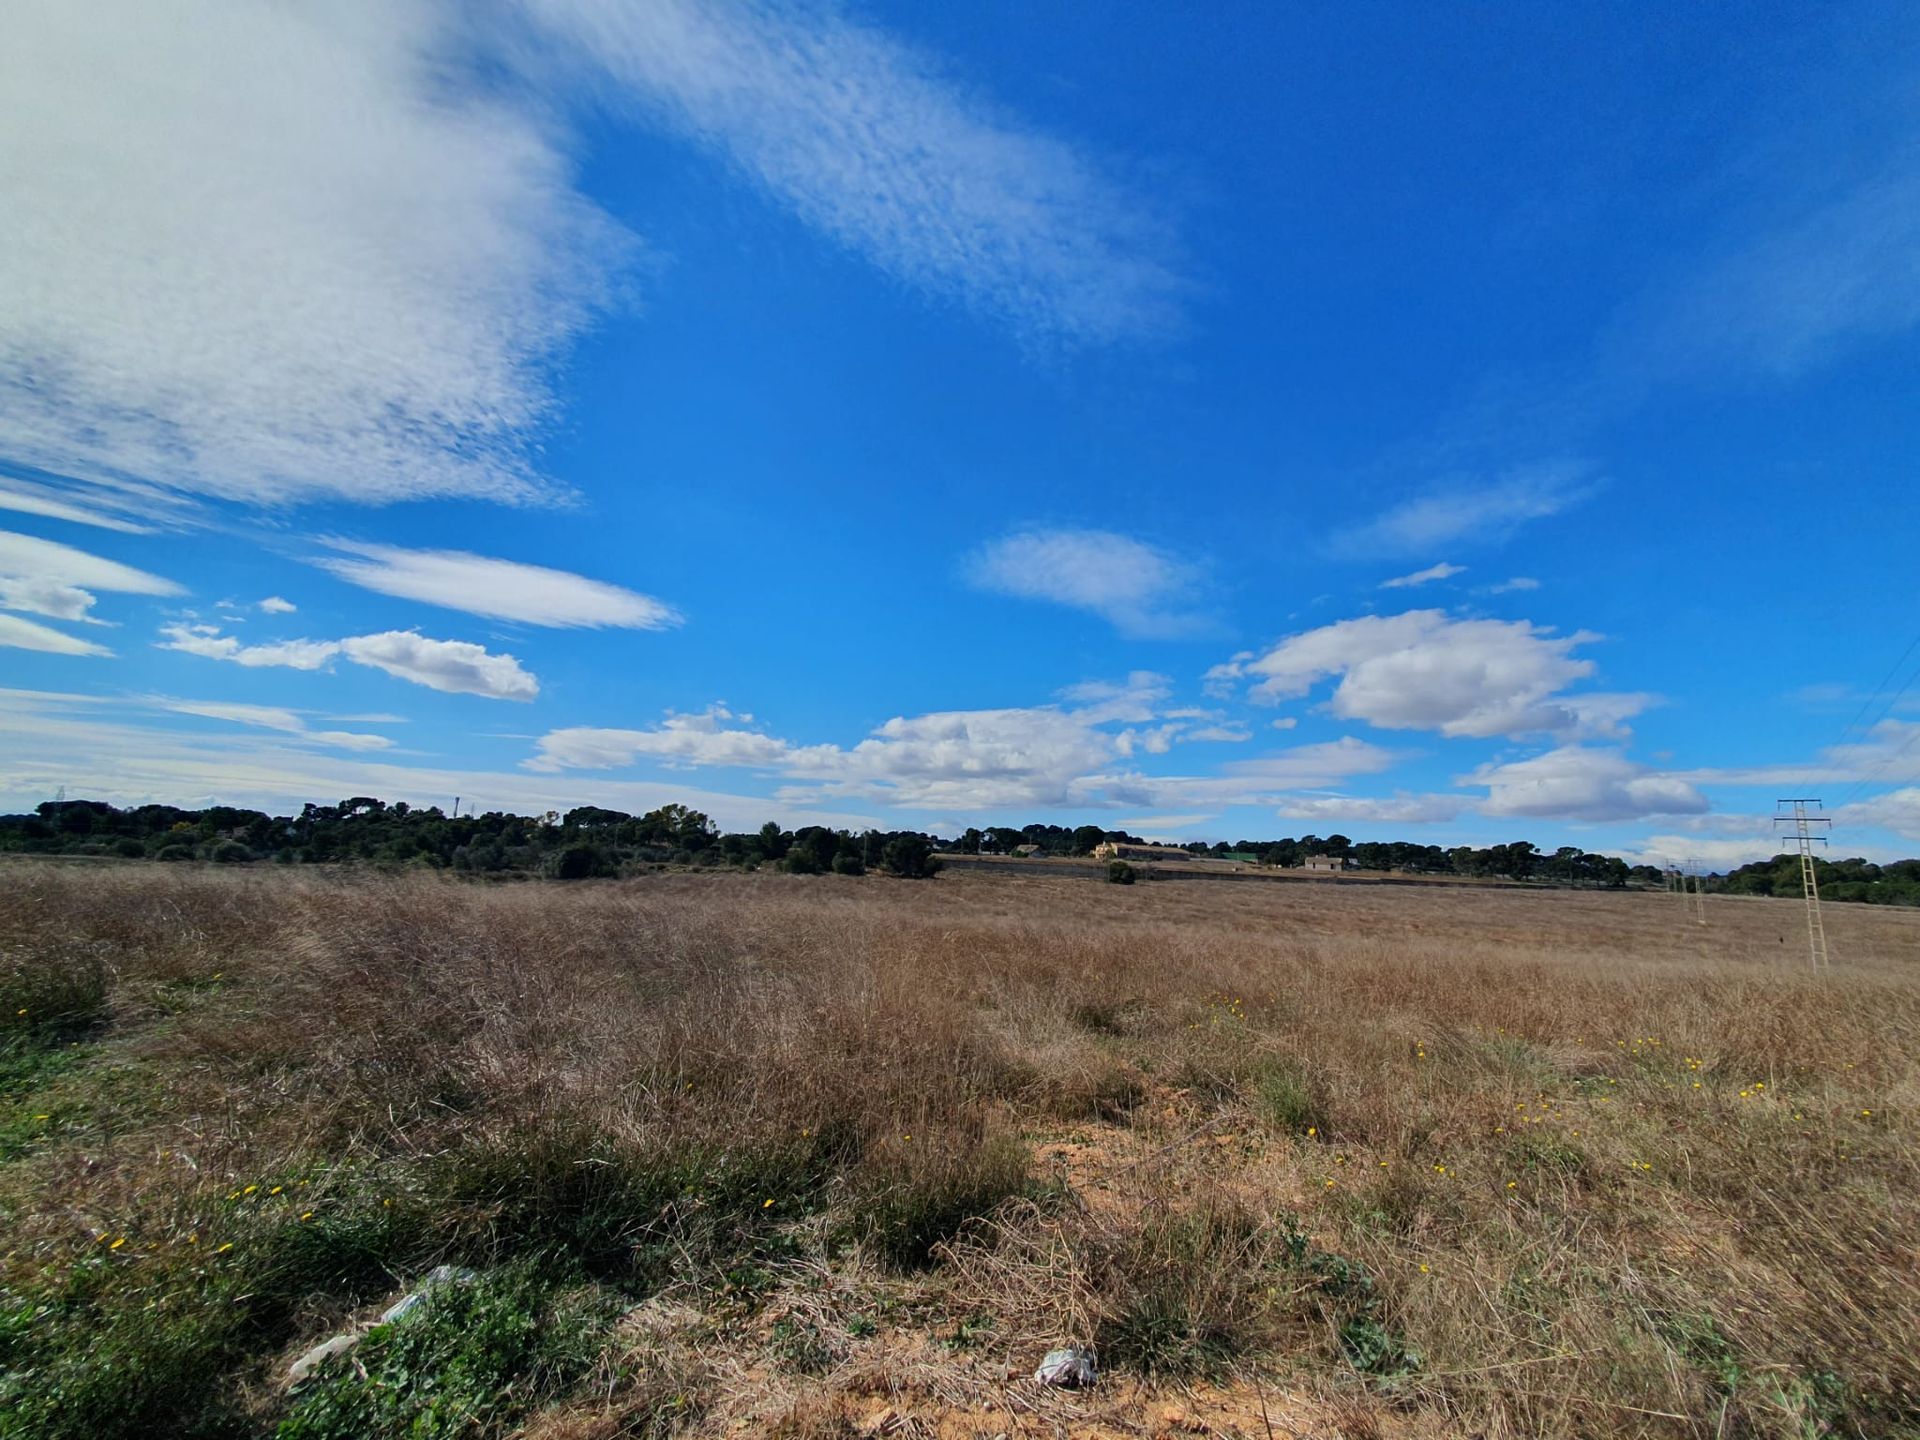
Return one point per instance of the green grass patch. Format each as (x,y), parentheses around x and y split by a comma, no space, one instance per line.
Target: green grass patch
(469,1362)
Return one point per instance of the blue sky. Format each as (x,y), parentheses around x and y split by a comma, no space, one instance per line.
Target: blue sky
(1221,421)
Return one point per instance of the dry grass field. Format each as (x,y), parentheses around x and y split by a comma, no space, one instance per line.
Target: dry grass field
(791,1156)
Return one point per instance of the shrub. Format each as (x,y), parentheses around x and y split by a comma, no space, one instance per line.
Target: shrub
(1119,872)
(910,856)
(231,852)
(848,863)
(801,861)
(580,862)
(174,852)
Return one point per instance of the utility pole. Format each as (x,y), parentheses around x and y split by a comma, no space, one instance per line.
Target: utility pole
(1697,902)
(1797,819)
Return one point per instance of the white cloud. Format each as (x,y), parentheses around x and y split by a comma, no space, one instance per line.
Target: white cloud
(19,634)
(1135,700)
(1423,671)
(1581,783)
(38,500)
(1518,582)
(332,263)
(1833,270)
(1690,852)
(43,745)
(271,717)
(456,666)
(863,138)
(1458,512)
(274,605)
(1896,810)
(45,597)
(1286,722)
(1442,571)
(503,589)
(700,739)
(28,557)
(1229,734)
(1867,759)
(207,642)
(1260,781)
(1132,585)
(1399,809)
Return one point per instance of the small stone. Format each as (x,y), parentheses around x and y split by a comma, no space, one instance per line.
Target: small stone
(1068,1369)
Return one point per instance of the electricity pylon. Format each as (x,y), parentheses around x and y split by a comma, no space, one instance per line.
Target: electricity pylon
(1799,824)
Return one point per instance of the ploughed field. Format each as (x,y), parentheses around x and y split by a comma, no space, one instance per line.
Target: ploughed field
(829,1156)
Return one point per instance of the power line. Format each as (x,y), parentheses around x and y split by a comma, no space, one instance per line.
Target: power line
(1885,709)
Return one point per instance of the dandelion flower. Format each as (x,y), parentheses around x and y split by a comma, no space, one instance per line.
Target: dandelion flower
(767,1204)
(1311,1130)
(224,1248)
(306,1214)
(118,1243)
(1426,1269)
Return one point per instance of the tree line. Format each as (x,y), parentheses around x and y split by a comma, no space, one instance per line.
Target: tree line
(590,841)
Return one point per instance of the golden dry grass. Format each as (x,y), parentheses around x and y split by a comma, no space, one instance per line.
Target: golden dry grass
(1370,1160)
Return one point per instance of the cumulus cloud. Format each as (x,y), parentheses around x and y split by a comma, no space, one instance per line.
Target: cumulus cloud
(456,666)
(274,605)
(707,738)
(1423,671)
(1578,782)
(209,643)
(1132,585)
(502,589)
(45,597)
(1460,512)
(1442,571)
(19,634)
(862,137)
(332,266)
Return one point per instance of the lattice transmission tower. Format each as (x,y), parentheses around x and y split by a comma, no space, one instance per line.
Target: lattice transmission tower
(1799,819)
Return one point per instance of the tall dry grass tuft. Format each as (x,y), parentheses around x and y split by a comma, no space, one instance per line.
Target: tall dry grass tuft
(1521,1163)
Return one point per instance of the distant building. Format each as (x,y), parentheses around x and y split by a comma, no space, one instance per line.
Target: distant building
(1113,850)
(1323,862)
(1026,849)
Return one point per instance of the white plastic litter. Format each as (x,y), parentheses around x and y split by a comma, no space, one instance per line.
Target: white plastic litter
(1068,1369)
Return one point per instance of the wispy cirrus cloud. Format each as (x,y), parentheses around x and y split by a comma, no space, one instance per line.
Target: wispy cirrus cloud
(347,250)
(868,141)
(1138,588)
(1442,571)
(1464,511)
(334,264)
(501,589)
(19,634)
